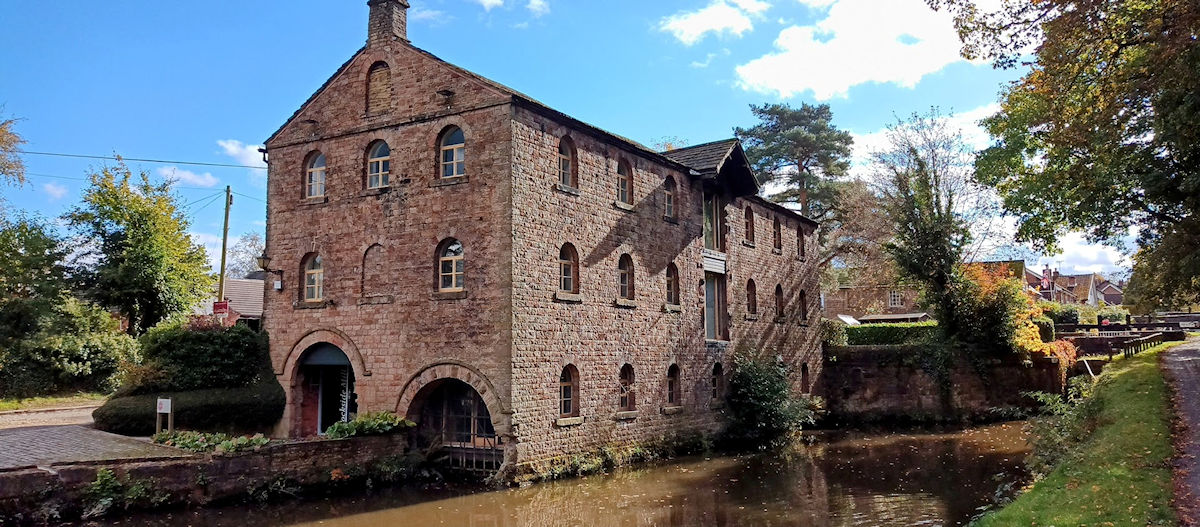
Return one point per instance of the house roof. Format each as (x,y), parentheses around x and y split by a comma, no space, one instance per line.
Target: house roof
(895,317)
(707,157)
(245,297)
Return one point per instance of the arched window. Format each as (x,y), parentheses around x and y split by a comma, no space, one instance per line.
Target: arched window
(567,168)
(749,224)
(379,88)
(800,242)
(627,400)
(451,268)
(777,231)
(568,269)
(673,395)
(778,303)
(624,183)
(804,386)
(803,307)
(568,392)
(314,279)
(669,198)
(314,176)
(672,284)
(625,277)
(379,165)
(751,297)
(717,382)
(454,153)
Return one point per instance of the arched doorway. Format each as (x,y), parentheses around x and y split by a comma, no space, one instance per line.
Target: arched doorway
(326,385)
(453,419)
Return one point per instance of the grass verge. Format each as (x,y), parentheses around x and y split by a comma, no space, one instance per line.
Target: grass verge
(50,401)
(1121,474)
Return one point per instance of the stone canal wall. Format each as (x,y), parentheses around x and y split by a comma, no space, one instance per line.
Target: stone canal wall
(65,491)
(874,383)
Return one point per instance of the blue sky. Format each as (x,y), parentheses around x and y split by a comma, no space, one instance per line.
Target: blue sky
(209,81)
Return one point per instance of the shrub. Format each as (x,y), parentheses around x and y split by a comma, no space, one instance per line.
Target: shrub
(888,334)
(833,332)
(193,355)
(1062,426)
(54,347)
(370,423)
(764,411)
(253,408)
(210,442)
(1045,328)
(1060,313)
(1095,315)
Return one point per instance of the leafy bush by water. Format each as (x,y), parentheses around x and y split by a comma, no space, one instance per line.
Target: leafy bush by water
(764,411)
(210,442)
(370,423)
(1064,423)
(889,334)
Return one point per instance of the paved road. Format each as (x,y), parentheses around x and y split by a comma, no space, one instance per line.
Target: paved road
(43,445)
(81,415)
(1182,365)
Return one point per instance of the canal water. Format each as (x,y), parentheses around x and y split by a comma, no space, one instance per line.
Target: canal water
(841,479)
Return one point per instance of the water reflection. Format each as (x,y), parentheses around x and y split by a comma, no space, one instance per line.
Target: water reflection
(845,479)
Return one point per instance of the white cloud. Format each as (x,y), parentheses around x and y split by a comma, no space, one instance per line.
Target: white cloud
(54,190)
(489,4)
(187,177)
(709,58)
(246,154)
(718,17)
(418,14)
(817,4)
(1078,256)
(967,122)
(858,41)
(538,7)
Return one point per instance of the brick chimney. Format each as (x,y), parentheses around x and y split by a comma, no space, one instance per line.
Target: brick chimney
(388,21)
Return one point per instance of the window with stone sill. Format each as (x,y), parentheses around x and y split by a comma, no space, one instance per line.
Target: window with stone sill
(749,224)
(314,279)
(451,266)
(624,183)
(625,277)
(568,269)
(314,176)
(567,165)
(379,165)
(568,392)
(777,234)
(672,284)
(626,398)
(751,297)
(779,303)
(674,397)
(453,161)
(803,298)
(669,195)
(717,382)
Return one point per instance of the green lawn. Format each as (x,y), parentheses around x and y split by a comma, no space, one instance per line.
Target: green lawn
(50,401)
(1122,476)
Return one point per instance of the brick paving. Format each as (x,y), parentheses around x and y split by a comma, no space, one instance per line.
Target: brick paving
(1182,365)
(44,445)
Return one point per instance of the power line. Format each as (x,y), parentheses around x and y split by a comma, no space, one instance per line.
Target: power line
(210,202)
(249,196)
(143,160)
(86,179)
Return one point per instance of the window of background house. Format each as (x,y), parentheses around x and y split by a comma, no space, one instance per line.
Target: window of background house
(673,388)
(451,267)
(624,183)
(379,165)
(568,392)
(895,299)
(314,279)
(672,284)
(454,153)
(566,163)
(625,277)
(669,198)
(627,400)
(314,177)
(568,269)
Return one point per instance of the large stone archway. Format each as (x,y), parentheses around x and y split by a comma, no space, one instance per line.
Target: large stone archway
(286,371)
(460,415)
(452,369)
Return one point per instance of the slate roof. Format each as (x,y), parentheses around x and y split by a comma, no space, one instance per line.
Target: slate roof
(245,296)
(704,158)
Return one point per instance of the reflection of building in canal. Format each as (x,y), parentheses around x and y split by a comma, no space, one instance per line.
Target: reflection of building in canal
(525,285)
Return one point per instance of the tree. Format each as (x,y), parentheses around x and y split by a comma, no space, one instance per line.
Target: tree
(243,255)
(138,258)
(802,148)
(925,177)
(1103,134)
(12,169)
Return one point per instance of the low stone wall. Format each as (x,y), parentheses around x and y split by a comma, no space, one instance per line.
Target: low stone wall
(873,383)
(60,491)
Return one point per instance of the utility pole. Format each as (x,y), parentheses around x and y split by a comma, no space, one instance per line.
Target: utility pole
(224,241)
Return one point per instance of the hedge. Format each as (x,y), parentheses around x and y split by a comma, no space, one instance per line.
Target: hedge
(254,408)
(886,334)
(198,354)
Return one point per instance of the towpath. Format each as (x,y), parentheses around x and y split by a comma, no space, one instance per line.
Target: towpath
(1182,367)
(45,445)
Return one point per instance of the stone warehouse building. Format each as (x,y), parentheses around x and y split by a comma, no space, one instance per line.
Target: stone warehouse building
(521,284)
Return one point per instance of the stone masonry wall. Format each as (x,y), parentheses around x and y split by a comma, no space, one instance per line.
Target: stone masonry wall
(596,335)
